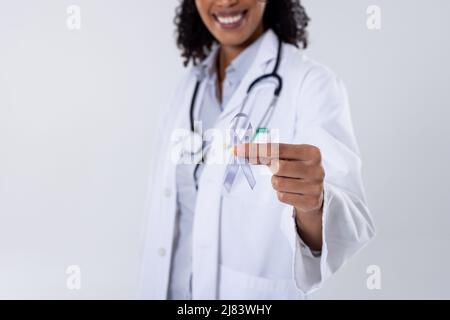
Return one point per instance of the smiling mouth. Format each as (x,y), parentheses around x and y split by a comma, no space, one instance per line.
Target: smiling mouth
(230,20)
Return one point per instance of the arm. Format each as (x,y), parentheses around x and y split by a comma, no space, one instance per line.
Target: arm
(326,219)
(346,226)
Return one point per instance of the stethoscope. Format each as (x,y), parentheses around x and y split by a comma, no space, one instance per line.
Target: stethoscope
(195,143)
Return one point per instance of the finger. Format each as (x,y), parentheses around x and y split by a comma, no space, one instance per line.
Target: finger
(304,152)
(255,153)
(303,203)
(299,186)
(297,169)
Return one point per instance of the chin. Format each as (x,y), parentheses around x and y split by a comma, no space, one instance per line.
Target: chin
(232,40)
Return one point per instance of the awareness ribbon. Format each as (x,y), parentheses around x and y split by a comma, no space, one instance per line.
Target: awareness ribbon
(233,168)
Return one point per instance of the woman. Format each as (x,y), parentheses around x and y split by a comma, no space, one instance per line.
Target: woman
(230,230)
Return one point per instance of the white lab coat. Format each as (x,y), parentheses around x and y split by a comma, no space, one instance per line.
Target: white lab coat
(245,244)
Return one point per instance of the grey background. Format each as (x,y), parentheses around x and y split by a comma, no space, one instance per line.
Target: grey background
(77,110)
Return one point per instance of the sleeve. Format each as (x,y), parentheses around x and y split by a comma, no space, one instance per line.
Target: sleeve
(324,121)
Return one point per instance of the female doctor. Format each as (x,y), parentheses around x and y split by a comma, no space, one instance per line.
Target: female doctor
(286,208)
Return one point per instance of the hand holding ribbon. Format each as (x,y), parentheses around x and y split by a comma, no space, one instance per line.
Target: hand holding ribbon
(298,179)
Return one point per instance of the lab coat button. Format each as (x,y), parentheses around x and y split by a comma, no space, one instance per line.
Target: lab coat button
(162,252)
(167,193)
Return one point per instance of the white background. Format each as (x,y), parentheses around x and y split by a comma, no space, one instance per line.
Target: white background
(77,112)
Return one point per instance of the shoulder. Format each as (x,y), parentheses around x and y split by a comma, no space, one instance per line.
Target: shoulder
(185,85)
(314,79)
(188,77)
(306,69)
(316,86)
(180,91)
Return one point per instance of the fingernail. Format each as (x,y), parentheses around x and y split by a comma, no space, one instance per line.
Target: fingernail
(274,165)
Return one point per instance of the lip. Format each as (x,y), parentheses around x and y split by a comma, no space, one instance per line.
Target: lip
(220,16)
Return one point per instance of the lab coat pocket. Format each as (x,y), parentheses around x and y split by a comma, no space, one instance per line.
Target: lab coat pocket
(236,285)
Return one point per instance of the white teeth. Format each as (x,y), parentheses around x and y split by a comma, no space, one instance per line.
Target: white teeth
(230,20)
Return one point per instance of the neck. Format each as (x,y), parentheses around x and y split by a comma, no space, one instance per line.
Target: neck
(228,53)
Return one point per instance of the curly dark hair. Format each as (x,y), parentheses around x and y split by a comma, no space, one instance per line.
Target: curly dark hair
(287,18)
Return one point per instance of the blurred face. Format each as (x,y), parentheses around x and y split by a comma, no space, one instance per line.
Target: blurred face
(233,22)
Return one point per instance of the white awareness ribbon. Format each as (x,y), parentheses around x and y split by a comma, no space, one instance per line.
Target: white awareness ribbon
(233,168)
